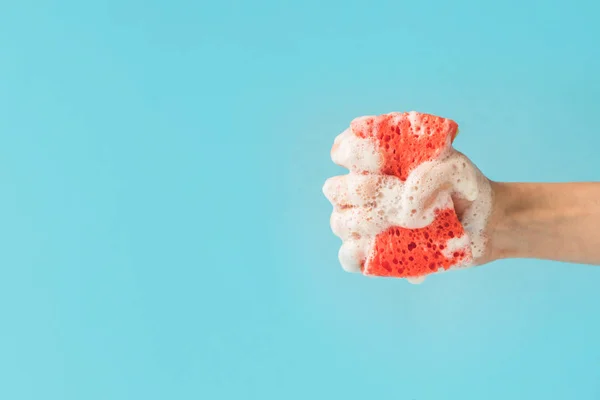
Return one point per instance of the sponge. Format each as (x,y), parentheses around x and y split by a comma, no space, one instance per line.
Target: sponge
(394,210)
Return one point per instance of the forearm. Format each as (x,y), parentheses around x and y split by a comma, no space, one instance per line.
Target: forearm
(551,221)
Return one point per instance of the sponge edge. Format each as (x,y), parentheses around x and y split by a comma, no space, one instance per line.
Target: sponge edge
(403,252)
(394,209)
(405,140)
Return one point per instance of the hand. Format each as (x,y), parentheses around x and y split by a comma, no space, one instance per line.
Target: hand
(411,205)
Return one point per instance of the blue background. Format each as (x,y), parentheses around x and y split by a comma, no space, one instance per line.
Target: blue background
(163,231)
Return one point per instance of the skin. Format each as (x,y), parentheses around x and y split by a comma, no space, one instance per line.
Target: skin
(548,221)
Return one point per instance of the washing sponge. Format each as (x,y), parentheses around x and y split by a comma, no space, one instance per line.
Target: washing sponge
(395,209)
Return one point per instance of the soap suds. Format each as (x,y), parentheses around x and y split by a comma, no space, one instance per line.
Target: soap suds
(404,173)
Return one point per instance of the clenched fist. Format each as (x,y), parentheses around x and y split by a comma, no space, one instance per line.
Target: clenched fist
(411,205)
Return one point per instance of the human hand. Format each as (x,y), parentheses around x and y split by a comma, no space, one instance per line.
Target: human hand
(411,205)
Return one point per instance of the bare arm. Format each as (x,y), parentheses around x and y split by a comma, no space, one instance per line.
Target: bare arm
(551,221)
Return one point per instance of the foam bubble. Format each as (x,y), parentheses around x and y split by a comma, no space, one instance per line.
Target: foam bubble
(416,280)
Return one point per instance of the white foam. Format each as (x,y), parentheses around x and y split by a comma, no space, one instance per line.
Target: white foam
(351,253)
(414,123)
(366,203)
(416,281)
(356,153)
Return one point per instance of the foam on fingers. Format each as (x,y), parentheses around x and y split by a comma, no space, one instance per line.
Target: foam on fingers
(352,255)
(356,153)
(352,190)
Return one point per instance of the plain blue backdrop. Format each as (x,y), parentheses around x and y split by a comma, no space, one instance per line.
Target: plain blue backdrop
(163,234)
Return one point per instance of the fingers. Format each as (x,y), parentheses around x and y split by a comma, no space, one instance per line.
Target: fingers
(355,153)
(364,205)
(351,190)
(355,223)
(354,218)
(436,184)
(352,255)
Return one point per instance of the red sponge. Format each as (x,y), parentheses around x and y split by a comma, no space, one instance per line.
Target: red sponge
(403,253)
(406,140)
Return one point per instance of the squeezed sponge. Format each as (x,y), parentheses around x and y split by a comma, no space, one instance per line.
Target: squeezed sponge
(394,210)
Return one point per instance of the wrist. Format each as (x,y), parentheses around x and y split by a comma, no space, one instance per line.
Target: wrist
(551,221)
(514,211)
